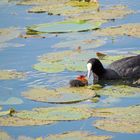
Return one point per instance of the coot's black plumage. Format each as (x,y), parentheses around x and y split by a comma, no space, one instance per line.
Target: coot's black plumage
(127,68)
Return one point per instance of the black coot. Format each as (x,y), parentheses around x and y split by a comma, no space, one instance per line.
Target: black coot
(126,68)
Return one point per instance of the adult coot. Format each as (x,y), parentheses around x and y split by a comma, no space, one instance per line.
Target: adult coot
(126,68)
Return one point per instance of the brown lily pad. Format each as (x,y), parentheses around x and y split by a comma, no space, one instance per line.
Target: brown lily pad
(61,95)
(77,135)
(123,119)
(15,121)
(132,29)
(10,74)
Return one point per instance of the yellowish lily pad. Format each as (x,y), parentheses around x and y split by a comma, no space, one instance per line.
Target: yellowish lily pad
(112,13)
(123,120)
(4,136)
(119,91)
(77,135)
(72,135)
(10,74)
(7,34)
(108,59)
(56,114)
(67,7)
(81,43)
(11,101)
(15,121)
(132,29)
(61,95)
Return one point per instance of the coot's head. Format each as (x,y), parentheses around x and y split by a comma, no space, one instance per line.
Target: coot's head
(95,66)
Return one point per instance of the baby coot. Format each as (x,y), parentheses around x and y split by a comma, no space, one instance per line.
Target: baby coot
(126,68)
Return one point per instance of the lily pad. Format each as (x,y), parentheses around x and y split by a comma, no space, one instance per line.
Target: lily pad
(132,29)
(65,26)
(49,68)
(119,91)
(56,114)
(61,95)
(123,120)
(82,43)
(108,59)
(10,74)
(65,8)
(64,60)
(105,15)
(4,136)
(7,34)
(40,2)
(11,101)
(15,121)
(77,135)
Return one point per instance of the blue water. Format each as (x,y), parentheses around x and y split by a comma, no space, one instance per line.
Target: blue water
(23,58)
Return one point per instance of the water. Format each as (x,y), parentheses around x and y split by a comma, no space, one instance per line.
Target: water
(23,58)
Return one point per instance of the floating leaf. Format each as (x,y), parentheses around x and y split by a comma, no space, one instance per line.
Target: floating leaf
(61,95)
(123,120)
(132,29)
(11,101)
(4,136)
(82,43)
(77,135)
(56,114)
(7,34)
(119,91)
(108,59)
(111,13)
(49,68)
(40,2)
(15,121)
(65,26)
(3,113)
(72,135)
(10,74)
(65,60)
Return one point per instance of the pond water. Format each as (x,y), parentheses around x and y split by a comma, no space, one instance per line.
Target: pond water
(23,59)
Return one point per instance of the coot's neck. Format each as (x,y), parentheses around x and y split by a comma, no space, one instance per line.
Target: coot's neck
(98,69)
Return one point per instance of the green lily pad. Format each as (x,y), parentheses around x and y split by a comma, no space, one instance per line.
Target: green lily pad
(49,68)
(56,114)
(77,135)
(119,91)
(108,59)
(61,95)
(11,101)
(123,120)
(64,60)
(10,74)
(132,29)
(65,26)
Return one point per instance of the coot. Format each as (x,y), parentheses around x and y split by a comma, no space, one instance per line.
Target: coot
(126,68)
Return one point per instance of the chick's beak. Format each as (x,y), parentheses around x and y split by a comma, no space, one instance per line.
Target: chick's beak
(89,66)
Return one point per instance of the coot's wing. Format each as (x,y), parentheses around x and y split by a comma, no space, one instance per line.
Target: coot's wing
(128,67)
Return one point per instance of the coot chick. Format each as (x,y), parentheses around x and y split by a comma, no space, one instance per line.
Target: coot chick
(80,81)
(126,68)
